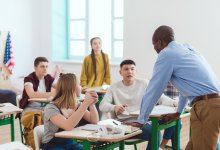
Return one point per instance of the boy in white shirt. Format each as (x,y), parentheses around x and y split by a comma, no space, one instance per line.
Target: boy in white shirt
(126,95)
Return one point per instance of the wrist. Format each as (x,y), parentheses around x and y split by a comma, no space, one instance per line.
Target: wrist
(85,103)
(92,105)
(178,114)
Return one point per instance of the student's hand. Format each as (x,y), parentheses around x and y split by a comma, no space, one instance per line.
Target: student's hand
(91,97)
(168,118)
(119,109)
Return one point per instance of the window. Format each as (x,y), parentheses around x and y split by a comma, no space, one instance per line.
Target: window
(91,18)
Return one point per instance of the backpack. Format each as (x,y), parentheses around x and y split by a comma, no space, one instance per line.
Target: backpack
(30,120)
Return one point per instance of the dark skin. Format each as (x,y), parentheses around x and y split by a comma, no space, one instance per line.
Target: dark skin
(167,118)
(160,36)
(159,45)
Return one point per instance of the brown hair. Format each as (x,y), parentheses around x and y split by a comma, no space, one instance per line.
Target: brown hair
(94,60)
(38,60)
(65,91)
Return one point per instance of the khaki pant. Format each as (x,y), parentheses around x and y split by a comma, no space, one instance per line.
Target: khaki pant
(205,123)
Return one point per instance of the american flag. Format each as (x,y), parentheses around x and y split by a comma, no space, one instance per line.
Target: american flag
(8,59)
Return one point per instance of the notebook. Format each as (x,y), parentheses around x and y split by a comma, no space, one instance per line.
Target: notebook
(89,127)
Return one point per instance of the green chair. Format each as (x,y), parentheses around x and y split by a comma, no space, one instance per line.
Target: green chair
(134,142)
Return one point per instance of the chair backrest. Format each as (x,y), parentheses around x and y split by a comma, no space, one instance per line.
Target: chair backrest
(38,134)
(18,98)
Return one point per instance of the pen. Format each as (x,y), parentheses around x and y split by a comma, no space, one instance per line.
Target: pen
(115,123)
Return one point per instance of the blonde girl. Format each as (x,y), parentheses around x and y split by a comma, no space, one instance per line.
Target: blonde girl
(65,113)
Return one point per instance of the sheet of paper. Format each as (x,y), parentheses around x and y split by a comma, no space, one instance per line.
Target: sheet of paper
(89,127)
(158,110)
(162,109)
(129,129)
(112,122)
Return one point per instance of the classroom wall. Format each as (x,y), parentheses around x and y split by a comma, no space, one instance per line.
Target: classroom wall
(21,18)
(196,22)
(193,22)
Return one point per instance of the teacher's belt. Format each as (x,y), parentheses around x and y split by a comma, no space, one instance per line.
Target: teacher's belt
(205,97)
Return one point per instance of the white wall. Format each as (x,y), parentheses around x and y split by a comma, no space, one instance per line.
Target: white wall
(196,22)
(21,18)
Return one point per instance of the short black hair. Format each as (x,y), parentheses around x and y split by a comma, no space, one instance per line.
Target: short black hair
(163,33)
(38,60)
(127,62)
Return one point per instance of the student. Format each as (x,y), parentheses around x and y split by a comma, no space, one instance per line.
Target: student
(65,113)
(38,84)
(190,73)
(95,68)
(126,95)
(7,96)
(173,93)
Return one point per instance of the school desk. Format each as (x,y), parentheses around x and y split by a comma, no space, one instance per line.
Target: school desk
(7,111)
(16,145)
(155,117)
(89,137)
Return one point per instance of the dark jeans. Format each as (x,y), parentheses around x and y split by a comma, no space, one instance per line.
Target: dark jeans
(169,134)
(61,144)
(7,96)
(147,135)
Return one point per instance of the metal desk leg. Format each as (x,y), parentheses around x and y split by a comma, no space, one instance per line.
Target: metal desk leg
(86,145)
(177,135)
(154,145)
(12,127)
(122,145)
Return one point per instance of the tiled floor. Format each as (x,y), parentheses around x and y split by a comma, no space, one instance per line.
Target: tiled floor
(5,135)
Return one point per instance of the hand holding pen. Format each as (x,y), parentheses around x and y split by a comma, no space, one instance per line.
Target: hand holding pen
(119,109)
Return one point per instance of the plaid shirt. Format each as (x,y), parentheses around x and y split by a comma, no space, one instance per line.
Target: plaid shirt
(171,91)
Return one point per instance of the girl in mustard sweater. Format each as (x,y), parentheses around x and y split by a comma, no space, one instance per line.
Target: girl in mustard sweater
(95,68)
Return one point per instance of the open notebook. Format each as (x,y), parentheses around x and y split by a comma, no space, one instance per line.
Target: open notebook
(112,122)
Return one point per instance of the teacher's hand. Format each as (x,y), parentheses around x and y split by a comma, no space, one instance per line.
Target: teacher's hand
(136,124)
(168,118)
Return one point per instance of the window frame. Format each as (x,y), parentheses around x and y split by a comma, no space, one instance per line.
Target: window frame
(86,39)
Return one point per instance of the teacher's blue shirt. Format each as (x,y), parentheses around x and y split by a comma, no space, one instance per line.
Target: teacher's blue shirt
(189,72)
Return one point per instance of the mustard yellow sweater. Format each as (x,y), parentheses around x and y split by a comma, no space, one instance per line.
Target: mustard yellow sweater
(87,77)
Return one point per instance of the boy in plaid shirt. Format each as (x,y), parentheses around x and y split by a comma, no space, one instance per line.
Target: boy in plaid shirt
(173,93)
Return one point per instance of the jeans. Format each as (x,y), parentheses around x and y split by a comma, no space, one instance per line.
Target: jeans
(169,134)
(61,144)
(147,134)
(7,96)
